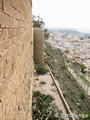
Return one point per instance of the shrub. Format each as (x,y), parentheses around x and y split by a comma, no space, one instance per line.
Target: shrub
(83,96)
(40,69)
(83,67)
(43,108)
(63,67)
(88,73)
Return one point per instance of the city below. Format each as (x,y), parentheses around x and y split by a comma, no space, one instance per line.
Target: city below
(75,44)
(76,47)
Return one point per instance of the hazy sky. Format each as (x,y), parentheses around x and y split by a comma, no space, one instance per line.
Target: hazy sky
(63,13)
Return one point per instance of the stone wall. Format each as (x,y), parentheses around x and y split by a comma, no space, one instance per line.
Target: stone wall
(16,59)
(38,45)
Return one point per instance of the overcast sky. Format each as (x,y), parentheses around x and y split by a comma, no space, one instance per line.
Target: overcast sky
(64,13)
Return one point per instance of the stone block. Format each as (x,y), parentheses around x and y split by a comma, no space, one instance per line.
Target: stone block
(1,5)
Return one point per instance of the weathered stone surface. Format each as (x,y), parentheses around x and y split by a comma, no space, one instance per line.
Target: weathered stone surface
(1,5)
(16,59)
(38,45)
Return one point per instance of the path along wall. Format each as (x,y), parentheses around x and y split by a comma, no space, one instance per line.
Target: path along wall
(16,59)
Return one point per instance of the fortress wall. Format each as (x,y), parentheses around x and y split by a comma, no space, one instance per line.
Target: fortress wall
(39,45)
(16,59)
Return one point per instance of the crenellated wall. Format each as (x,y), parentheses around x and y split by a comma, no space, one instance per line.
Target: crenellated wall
(16,59)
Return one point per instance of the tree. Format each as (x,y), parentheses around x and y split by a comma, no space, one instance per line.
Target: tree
(39,23)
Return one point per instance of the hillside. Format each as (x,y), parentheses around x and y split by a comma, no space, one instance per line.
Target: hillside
(75,96)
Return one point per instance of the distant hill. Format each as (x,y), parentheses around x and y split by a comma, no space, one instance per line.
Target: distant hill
(62,30)
(67,30)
